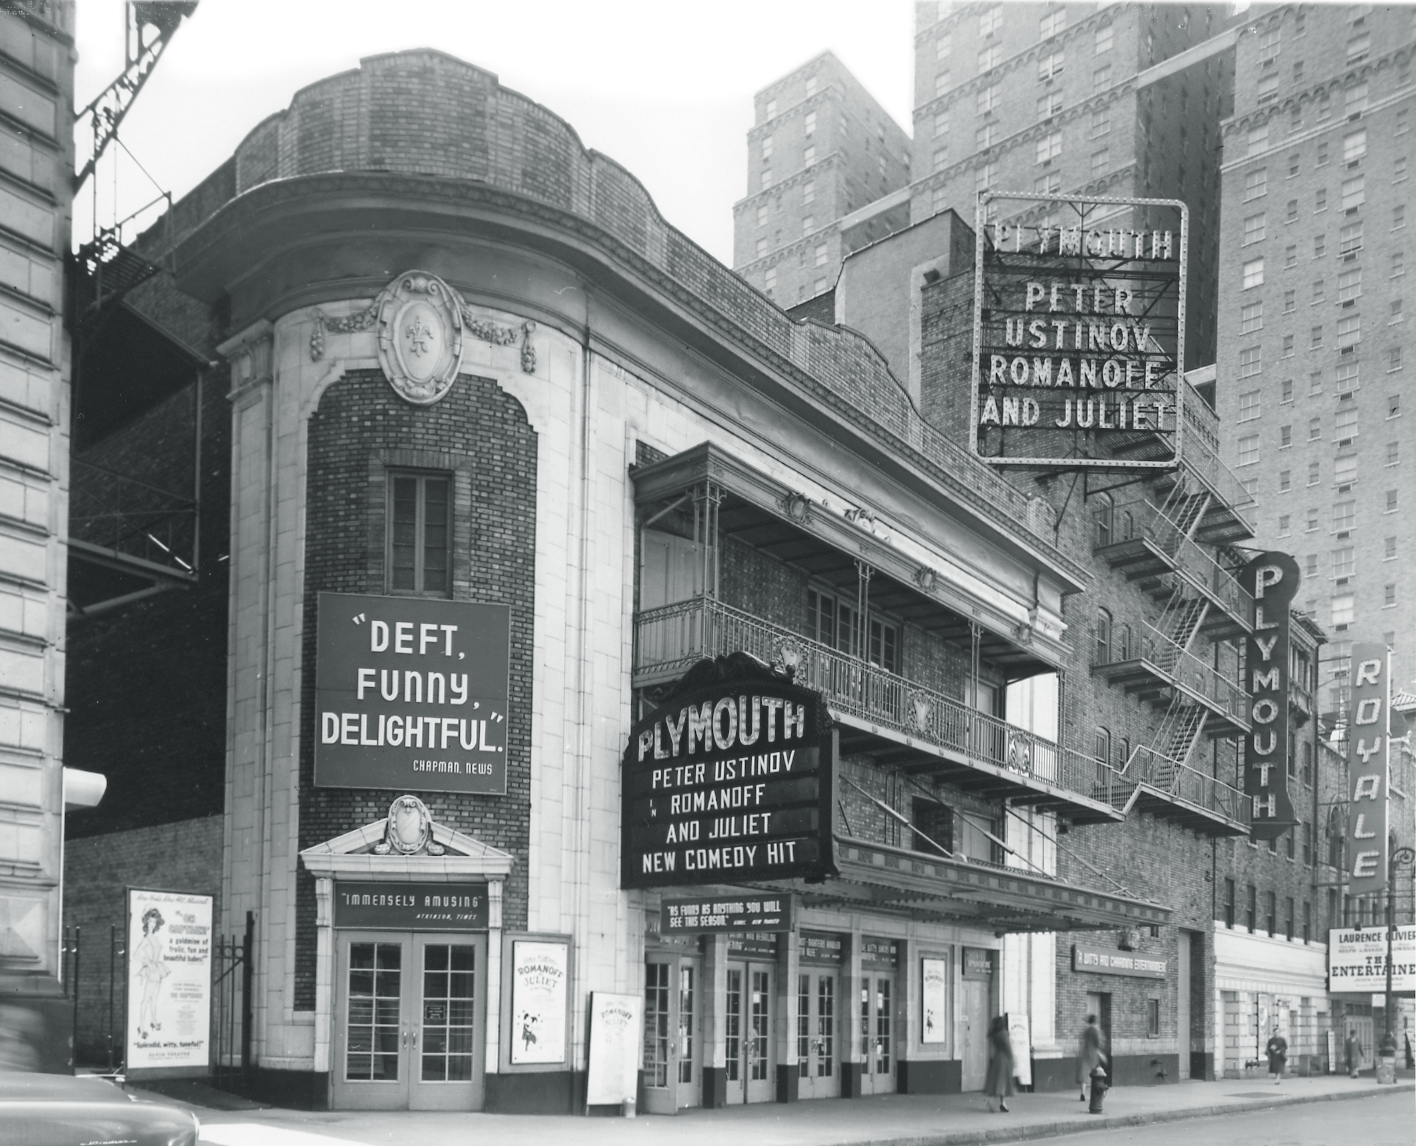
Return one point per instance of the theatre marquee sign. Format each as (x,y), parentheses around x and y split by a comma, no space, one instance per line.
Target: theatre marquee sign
(731,779)
(1079,331)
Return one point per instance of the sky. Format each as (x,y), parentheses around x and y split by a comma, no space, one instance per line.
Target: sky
(663,88)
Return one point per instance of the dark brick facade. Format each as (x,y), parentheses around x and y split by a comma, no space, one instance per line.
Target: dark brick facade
(481,436)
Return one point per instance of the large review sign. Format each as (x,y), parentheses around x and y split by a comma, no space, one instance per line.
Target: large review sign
(1079,331)
(411,694)
(728,782)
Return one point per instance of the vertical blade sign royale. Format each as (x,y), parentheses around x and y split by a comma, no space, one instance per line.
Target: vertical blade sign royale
(1079,332)
(1272,579)
(1368,750)
(729,781)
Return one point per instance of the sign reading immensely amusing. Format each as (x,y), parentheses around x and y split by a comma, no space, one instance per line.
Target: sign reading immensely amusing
(1113,961)
(411,694)
(1272,579)
(1368,778)
(729,780)
(411,906)
(1079,330)
(1357,959)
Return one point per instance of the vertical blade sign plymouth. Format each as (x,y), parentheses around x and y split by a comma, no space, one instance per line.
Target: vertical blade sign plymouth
(1272,579)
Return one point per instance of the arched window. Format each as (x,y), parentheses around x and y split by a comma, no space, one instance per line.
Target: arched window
(1101,518)
(1101,654)
(1103,745)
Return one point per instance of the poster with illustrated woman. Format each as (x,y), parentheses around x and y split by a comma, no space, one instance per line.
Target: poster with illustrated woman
(169,983)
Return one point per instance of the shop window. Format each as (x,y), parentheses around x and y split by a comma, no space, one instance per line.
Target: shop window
(418,534)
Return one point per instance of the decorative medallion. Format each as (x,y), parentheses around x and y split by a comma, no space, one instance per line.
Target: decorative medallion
(419,336)
(409,830)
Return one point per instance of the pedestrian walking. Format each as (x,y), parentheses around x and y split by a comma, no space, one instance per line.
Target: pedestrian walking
(1089,1055)
(1277,1050)
(999,1083)
(1352,1048)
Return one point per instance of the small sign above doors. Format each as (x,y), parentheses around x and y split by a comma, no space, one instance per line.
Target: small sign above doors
(411,906)
(753,913)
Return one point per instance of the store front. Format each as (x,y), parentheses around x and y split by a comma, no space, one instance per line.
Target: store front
(408,968)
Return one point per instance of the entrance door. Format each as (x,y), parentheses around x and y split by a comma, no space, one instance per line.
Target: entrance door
(818,1034)
(1099,1004)
(751,1063)
(409,1021)
(877,1034)
(672,1025)
(975,1033)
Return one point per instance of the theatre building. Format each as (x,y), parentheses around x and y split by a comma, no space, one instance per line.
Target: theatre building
(595,626)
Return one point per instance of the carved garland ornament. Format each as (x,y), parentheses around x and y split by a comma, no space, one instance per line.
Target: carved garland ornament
(421,322)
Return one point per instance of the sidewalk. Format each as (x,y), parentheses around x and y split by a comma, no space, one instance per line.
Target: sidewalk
(890,1120)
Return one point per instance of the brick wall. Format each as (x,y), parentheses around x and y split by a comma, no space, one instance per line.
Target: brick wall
(481,436)
(178,856)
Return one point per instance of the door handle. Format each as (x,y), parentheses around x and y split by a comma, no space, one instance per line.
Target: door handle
(405,1036)
(415,1038)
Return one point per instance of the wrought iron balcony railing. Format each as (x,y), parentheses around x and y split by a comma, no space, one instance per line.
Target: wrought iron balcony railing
(668,640)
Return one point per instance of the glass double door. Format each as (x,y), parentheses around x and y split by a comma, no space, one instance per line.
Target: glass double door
(673,1077)
(819,1034)
(877,1034)
(750,1061)
(409,1021)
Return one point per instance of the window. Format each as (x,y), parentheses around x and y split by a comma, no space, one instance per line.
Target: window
(1271,906)
(1251,317)
(1355,98)
(769,280)
(808,155)
(1268,87)
(985,176)
(1049,183)
(1101,125)
(1341,609)
(761,247)
(1268,44)
(1349,331)
(1049,146)
(1101,78)
(836,624)
(1403,122)
(1313,472)
(1344,561)
(1253,274)
(1290,256)
(810,85)
(1398,217)
(766,147)
(1298,79)
(762,215)
(990,57)
(1354,192)
(1390,501)
(1307,906)
(1358,47)
(1393,457)
(808,192)
(1319,246)
(1288,902)
(771,108)
(1311,524)
(1049,104)
(1316,340)
(1153,1018)
(1293,165)
(808,224)
(1104,38)
(1319,291)
(1320,201)
(1315,429)
(1251,907)
(1290,213)
(1285,437)
(1250,361)
(1393,406)
(1101,520)
(984,135)
(1349,285)
(1346,423)
(1289,301)
(943,46)
(1398,264)
(1315,383)
(990,20)
(1255,182)
(1101,641)
(1350,238)
(1100,160)
(1344,469)
(1398,169)
(1393,359)
(1254,228)
(1344,514)
(1102,747)
(942,81)
(417,537)
(1354,145)
(821,252)
(1310,568)
(1324,114)
(941,123)
(933,825)
(1285,393)
(1257,138)
(1389,552)
(987,99)
(1285,526)
(766,177)
(1050,65)
(1248,449)
(1229,898)
(1288,346)
(1285,480)
(1389,596)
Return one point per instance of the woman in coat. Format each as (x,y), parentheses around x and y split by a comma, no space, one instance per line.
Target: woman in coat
(999,1083)
(1089,1054)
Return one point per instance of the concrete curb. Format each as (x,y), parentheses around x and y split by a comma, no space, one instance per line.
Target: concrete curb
(1027,1132)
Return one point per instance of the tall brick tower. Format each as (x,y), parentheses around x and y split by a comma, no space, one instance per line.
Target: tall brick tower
(1314,387)
(1106,100)
(820,148)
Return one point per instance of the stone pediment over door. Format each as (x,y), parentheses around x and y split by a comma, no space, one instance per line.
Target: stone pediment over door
(406,845)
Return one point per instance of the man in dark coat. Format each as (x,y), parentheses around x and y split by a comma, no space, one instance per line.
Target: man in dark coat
(1277,1050)
(1352,1049)
(999,1082)
(1089,1054)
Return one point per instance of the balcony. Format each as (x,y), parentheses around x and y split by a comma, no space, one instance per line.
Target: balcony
(883,715)
(1162,558)
(1300,702)
(1173,791)
(1160,667)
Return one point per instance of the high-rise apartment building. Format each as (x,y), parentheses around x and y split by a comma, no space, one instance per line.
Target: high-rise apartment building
(1093,99)
(1314,384)
(820,149)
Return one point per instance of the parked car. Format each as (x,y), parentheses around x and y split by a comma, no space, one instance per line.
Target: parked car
(61,1110)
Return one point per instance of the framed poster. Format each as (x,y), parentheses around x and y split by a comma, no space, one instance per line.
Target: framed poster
(613,1074)
(539,982)
(169,984)
(934,1000)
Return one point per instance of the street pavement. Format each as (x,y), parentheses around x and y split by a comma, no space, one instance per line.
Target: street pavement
(1347,1105)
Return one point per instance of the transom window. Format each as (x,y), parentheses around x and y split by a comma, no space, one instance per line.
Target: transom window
(419,531)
